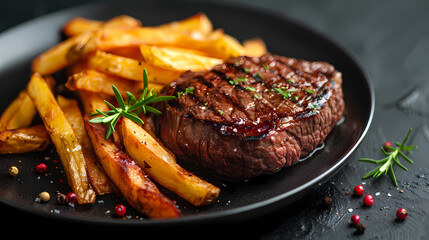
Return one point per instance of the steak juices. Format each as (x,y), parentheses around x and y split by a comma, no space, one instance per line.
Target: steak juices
(251,116)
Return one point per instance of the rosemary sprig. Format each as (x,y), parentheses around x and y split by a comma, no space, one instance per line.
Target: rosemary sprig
(130,109)
(390,160)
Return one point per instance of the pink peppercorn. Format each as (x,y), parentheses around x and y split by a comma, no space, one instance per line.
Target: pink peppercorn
(368,200)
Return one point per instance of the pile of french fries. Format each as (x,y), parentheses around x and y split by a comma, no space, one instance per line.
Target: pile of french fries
(96,55)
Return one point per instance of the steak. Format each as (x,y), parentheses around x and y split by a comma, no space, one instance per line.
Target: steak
(251,116)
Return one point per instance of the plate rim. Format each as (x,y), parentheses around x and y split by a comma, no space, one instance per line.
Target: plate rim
(248,210)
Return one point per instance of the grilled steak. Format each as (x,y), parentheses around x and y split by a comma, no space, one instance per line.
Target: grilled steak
(251,116)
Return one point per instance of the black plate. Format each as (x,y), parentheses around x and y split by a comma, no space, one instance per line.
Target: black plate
(237,201)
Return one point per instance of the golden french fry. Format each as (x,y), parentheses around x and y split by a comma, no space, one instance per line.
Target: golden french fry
(91,101)
(63,137)
(99,180)
(99,82)
(161,165)
(24,140)
(64,54)
(139,191)
(175,59)
(130,68)
(224,47)
(197,24)
(255,47)
(21,111)
(80,25)
(78,46)
(128,52)
(122,21)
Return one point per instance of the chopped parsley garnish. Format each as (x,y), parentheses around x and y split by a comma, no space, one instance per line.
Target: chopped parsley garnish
(309,91)
(189,90)
(236,80)
(257,75)
(220,112)
(256,96)
(246,70)
(250,89)
(286,94)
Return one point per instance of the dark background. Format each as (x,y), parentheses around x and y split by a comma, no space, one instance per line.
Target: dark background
(390,40)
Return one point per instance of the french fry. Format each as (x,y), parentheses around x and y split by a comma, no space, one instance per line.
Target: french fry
(64,54)
(198,23)
(128,52)
(130,68)
(99,82)
(99,180)
(78,46)
(92,101)
(122,21)
(24,140)
(139,191)
(80,25)
(161,165)
(21,111)
(63,137)
(224,47)
(255,47)
(175,59)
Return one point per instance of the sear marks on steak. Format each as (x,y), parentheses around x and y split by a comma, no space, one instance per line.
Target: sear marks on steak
(251,116)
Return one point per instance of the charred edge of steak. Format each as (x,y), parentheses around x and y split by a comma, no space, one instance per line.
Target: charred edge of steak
(251,116)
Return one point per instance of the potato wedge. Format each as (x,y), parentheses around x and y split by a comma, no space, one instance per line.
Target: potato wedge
(130,68)
(80,25)
(24,140)
(99,180)
(99,82)
(63,137)
(176,59)
(21,111)
(139,191)
(161,165)
(255,47)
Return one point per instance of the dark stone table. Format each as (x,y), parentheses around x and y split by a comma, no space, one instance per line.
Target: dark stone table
(390,40)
